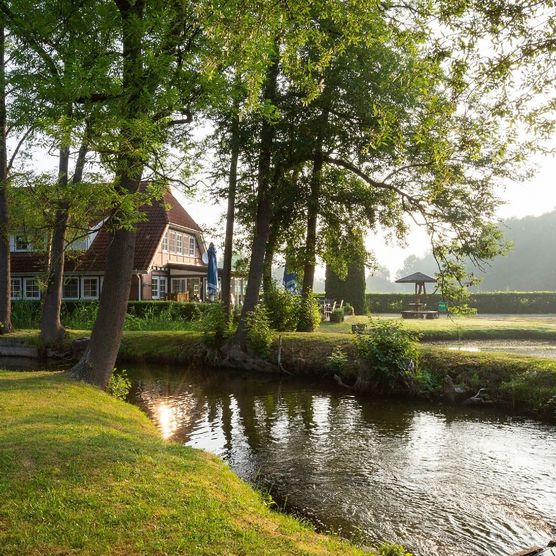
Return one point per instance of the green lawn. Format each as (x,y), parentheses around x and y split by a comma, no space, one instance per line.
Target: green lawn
(507,327)
(83,472)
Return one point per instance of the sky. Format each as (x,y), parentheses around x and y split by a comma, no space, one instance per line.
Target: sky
(534,197)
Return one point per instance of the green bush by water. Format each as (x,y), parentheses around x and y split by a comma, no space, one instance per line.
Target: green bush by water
(390,351)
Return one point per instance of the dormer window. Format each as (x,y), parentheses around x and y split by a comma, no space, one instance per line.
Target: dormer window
(179,243)
(21,243)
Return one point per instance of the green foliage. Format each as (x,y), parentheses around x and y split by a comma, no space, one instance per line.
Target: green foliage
(345,276)
(389,549)
(282,308)
(337,360)
(390,351)
(487,302)
(25,314)
(119,385)
(259,331)
(309,313)
(348,310)
(337,315)
(213,324)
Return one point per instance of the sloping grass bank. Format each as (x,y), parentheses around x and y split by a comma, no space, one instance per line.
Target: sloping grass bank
(83,472)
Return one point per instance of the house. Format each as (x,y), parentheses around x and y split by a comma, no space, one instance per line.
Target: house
(169,260)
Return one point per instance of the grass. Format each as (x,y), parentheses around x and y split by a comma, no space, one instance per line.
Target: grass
(83,472)
(466,328)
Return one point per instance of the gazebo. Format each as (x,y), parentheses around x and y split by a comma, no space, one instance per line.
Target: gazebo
(418,309)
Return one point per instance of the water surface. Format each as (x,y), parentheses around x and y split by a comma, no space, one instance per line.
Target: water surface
(442,481)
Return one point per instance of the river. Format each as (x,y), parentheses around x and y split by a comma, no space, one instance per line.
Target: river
(443,481)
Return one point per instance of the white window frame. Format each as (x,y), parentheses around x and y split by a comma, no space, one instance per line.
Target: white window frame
(192,246)
(25,282)
(96,278)
(179,243)
(78,286)
(165,243)
(12,282)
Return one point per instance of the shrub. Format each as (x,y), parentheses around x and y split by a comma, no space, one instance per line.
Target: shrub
(337,315)
(26,314)
(348,310)
(309,314)
(259,332)
(390,351)
(388,549)
(119,385)
(282,308)
(337,360)
(212,322)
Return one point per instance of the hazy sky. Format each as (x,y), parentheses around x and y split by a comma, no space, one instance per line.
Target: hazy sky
(534,197)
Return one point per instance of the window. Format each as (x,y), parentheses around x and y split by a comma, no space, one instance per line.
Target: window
(22,244)
(165,242)
(191,246)
(89,287)
(16,288)
(31,288)
(158,287)
(172,241)
(179,285)
(71,288)
(179,243)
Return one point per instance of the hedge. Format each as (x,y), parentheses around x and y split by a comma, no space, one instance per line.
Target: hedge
(26,314)
(488,302)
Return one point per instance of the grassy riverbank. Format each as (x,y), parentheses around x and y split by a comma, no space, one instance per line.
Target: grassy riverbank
(83,472)
(523,383)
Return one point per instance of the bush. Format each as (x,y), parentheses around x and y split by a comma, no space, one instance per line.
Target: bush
(390,351)
(388,549)
(337,360)
(337,315)
(309,314)
(348,310)
(212,322)
(282,308)
(119,385)
(259,332)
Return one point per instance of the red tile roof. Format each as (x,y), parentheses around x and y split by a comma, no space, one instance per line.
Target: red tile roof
(149,235)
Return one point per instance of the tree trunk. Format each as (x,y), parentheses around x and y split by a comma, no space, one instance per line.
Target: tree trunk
(5,272)
(97,363)
(264,209)
(230,216)
(269,256)
(312,216)
(52,331)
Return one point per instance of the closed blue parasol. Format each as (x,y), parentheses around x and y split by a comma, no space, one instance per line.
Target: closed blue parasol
(212,272)
(290,280)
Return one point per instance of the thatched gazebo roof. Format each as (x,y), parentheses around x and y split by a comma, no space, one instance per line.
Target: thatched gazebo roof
(416,278)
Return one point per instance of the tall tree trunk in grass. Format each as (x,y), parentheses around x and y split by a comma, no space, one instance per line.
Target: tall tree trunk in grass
(5,272)
(264,208)
(52,331)
(97,363)
(312,216)
(230,215)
